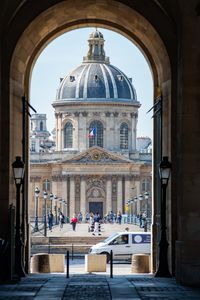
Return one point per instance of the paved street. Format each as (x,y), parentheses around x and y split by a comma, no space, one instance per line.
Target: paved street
(82,229)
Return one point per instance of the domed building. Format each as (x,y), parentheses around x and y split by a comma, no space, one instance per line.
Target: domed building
(95,165)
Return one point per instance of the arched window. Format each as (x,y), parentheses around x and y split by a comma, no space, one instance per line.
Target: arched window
(96,134)
(46,185)
(68,135)
(41,126)
(124,136)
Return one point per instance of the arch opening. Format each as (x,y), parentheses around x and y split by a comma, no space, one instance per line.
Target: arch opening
(67,16)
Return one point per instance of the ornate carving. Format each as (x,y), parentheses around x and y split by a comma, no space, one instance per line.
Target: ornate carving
(84,113)
(96,181)
(134,115)
(96,114)
(35,178)
(76,114)
(107,114)
(115,114)
(124,114)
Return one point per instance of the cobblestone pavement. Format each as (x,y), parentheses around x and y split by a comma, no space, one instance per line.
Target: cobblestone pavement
(96,287)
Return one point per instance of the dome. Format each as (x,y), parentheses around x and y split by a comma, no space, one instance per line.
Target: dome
(96,80)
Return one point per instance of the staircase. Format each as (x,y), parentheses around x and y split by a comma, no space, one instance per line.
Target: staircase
(75,245)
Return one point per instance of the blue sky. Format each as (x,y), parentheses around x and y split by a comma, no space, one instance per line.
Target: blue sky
(66,52)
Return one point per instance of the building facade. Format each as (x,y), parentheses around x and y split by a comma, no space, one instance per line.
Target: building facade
(95,165)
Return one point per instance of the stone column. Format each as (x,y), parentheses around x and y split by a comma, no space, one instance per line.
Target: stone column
(83,131)
(59,132)
(72,197)
(127,188)
(83,196)
(108,195)
(133,131)
(119,194)
(137,191)
(64,194)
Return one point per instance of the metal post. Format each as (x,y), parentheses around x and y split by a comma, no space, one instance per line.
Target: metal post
(45,213)
(18,242)
(111,264)
(37,191)
(72,251)
(163,270)
(67,275)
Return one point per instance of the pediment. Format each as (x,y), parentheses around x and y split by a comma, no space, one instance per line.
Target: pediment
(97,155)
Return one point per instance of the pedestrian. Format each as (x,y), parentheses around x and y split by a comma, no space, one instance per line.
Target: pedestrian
(87,217)
(140,218)
(61,220)
(73,222)
(119,217)
(80,217)
(50,220)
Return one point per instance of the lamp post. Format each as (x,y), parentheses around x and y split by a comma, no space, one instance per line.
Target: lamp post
(164,170)
(135,199)
(51,199)
(18,173)
(37,191)
(45,212)
(55,208)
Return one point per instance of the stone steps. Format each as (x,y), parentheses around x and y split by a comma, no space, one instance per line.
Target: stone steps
(77,245)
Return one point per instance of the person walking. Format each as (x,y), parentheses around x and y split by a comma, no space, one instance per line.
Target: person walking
(73,222)
(119,217)
(61,220)
(50,220)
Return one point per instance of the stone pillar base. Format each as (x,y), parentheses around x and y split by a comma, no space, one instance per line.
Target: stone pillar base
(47,263)
(140,263)
(95,263)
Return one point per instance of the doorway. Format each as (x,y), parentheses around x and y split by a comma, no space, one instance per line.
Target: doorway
(96,207)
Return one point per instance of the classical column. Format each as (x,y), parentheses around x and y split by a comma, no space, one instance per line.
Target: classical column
(108,195)
(119,194)
(64,189)
(83,196)
(72,197)
(83,131)
(127,188)
(138,192)
(59,132)
(134,117)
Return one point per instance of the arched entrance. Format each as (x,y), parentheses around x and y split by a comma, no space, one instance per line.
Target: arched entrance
(66,16)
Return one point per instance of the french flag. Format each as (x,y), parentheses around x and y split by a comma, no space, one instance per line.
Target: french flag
(92,132)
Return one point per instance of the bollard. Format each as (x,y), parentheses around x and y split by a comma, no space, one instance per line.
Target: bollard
(111,264)
(67,270)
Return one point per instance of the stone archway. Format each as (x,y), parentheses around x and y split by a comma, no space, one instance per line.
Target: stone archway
(69,15)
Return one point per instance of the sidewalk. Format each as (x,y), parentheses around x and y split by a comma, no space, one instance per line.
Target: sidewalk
(96,286)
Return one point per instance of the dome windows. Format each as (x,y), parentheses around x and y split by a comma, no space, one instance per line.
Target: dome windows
(124,136)
(72,78)
(120,77)
(68,135)
(96,138)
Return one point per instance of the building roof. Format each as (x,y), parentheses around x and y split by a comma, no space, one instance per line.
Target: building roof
(96,80)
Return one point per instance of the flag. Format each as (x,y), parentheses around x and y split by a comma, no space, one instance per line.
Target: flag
(92,132)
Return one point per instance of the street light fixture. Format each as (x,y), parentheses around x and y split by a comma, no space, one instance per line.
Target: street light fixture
(18,173)
(51,199)
(37,191)
(45,194)
(55,208)
(164,170)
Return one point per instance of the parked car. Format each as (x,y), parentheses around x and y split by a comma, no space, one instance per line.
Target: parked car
(124,245)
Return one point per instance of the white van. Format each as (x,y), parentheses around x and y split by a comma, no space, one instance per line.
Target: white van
(123,245)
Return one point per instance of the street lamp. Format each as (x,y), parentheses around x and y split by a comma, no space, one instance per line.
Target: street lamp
(55,208)
(18,173)
(135,199)
(37,191)
(51,199)
(164,171)
(45,194)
